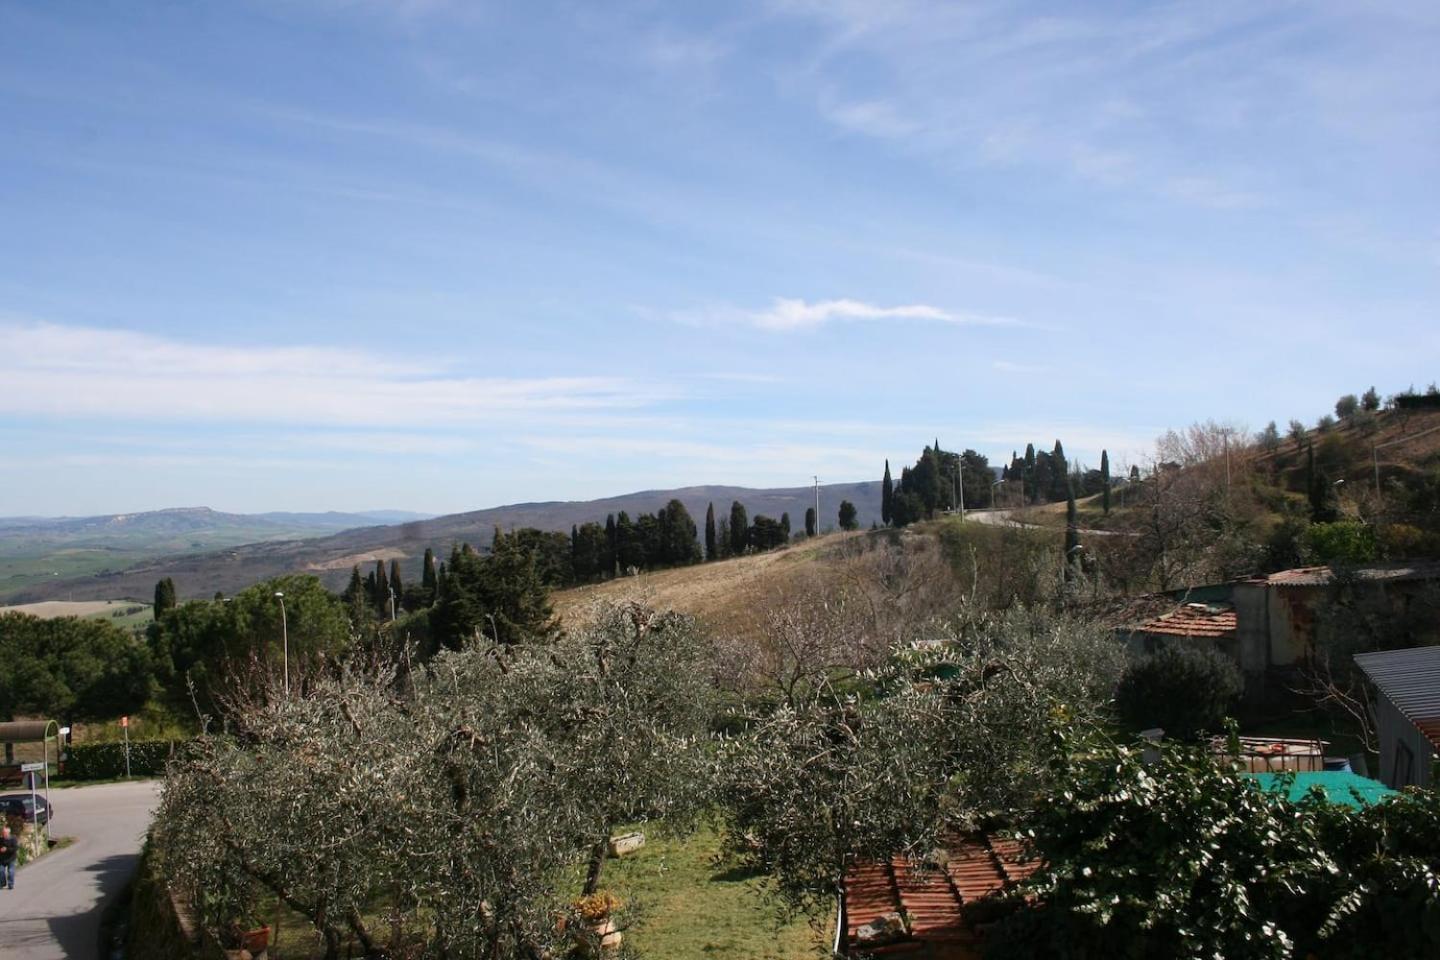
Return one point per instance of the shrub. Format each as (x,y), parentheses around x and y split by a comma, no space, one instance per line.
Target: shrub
(1185,690)
(1184,858)
(1343,542)
(105,761)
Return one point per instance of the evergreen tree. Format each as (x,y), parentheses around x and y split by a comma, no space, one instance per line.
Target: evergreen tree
(629,547)
(785,525)
(428,575)
(887,496)
(809,521)
(1027,478)
(739,528)
(1270,438)
(1135,474)
(1059,473)
(612,545)
(722,537)
(357,602)
(710,553)
(848,515)
(1324,506)
(677,535)
(382,585)
(395,584)
(1105,480)
(164,597)
(1370,401)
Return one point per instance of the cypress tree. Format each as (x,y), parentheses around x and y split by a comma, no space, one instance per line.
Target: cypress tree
(1027,478)
(354,594)
(887,494)
(395,583)
(1105,480)
(382,586)
(164,597)
(739,528)
(612,546)
(427,576)
(710,533)
(1060,480)
(785,525)
(810,521)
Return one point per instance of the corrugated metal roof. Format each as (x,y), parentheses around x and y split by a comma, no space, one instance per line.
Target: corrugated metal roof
(1410,679)
(1379,573)
(1212,620)
(932,901)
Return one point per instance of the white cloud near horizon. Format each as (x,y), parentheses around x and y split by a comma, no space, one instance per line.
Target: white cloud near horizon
(787,314)
(69,371)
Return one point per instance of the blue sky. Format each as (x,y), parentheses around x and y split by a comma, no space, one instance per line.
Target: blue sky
(440,256)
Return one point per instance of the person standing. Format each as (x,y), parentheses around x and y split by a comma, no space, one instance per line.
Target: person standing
(9,850)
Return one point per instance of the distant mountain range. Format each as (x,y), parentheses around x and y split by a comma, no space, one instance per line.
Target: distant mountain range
(330,555)
(51,550)
(181,520)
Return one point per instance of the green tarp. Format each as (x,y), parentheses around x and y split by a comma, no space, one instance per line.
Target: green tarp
(1339,786)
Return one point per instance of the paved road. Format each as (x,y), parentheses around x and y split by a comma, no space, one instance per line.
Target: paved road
(54,912)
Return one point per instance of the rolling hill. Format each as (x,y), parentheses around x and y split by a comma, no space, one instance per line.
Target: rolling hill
(40,550)
(202,573)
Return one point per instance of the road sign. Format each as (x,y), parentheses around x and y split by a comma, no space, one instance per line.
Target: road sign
(31,767)
(124,721)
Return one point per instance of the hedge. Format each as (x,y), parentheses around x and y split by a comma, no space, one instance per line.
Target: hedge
(106,761)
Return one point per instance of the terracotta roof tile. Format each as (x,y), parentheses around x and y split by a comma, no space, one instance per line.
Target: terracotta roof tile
(932,901)
(1215,620)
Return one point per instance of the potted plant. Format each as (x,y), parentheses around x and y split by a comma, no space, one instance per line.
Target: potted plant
(597,911)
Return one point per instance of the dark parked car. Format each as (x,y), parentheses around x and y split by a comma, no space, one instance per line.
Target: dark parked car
(18,805)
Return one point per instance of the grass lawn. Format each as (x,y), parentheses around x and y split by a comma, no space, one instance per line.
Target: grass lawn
(678,905)
(686,908)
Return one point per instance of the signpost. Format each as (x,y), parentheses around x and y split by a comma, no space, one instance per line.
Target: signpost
(125,725)
(31,769)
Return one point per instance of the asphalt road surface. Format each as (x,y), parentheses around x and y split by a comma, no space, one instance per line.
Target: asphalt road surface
(54,910)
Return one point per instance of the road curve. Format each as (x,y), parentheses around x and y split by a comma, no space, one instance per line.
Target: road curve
(54,911)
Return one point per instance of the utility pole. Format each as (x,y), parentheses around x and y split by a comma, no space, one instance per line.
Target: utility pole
(285,640)
(960,482)
(817,506)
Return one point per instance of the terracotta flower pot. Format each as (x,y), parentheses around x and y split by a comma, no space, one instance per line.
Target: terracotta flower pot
(256,940)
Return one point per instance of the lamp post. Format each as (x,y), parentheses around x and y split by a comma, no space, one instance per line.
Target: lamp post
(285,639)
(992,491)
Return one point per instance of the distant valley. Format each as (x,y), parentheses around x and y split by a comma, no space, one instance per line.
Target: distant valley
(97,558)
(45,551)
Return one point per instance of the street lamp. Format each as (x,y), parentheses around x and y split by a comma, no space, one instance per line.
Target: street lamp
(285,639)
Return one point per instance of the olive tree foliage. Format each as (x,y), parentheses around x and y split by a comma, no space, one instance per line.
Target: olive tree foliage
(454,812)
(946,732)
(1184,858)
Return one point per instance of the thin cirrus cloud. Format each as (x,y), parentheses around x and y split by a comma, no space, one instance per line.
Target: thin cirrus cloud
(787,314)
(80,372)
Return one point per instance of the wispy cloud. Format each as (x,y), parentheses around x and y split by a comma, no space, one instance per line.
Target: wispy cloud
(65,371)
(1007,366)
(787,315)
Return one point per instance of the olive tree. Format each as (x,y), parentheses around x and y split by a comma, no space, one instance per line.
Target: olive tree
(946,732)
(457,811)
